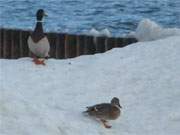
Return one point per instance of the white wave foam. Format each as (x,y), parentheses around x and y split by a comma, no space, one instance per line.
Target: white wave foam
(104,32)
(148,30)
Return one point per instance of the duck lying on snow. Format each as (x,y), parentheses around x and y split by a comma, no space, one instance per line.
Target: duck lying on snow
(37,42)
(105,111)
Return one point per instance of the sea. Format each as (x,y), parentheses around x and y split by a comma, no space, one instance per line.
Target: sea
(80,16)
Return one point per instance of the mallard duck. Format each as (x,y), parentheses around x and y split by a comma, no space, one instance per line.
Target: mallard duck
(38,42)
(105,111)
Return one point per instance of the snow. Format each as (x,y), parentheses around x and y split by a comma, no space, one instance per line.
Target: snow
(49,100)
(148,30)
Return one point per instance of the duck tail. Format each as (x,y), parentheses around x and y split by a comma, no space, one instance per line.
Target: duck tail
(84,112)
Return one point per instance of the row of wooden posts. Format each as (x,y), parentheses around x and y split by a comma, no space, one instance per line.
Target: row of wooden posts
(13,44)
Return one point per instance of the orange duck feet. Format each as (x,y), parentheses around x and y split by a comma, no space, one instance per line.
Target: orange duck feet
(105,124)
(39,61)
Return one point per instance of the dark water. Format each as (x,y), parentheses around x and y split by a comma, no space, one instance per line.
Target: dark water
(79,16)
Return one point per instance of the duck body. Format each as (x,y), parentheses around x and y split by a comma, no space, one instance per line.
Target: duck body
(105,111)
(38,42)
(40,48)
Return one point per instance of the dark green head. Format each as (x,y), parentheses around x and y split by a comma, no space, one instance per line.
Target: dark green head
(40,14)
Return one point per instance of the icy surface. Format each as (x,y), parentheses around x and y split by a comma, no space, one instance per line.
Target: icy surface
(49,100)
(148,30)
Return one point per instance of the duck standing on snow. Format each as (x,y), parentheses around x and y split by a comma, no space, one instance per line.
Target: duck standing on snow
(37,42)
(105,111)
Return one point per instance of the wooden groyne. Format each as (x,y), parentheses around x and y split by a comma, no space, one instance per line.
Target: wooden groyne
(13,44)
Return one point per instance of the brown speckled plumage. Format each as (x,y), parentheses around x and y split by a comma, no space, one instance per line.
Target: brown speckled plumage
(105,111)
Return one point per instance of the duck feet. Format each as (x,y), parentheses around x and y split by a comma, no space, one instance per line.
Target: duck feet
(105,124)
(39,61)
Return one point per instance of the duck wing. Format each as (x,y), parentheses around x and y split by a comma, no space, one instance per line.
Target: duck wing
(99,108)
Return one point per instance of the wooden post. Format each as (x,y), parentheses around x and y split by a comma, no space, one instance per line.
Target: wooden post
(24,50)
(80,45)
(52,41)
(100,44)
(110,43)
(1,43)
(15,48)
(13,44)
(120,42)
(70,46)
(7,43)
(128,41)
(89,45)
(60,46)
(30,54)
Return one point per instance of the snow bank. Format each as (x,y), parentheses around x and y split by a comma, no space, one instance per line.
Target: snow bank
(49,100)
(148,30)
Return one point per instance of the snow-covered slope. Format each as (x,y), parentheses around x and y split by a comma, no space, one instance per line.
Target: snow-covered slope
(49,100)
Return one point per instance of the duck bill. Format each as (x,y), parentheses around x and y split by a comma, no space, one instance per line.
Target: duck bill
(45,14)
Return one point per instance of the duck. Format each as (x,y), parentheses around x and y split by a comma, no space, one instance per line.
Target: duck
(38,42)
(105,111)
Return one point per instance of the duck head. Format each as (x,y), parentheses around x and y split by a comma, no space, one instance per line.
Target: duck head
(40,14)
(115,102)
